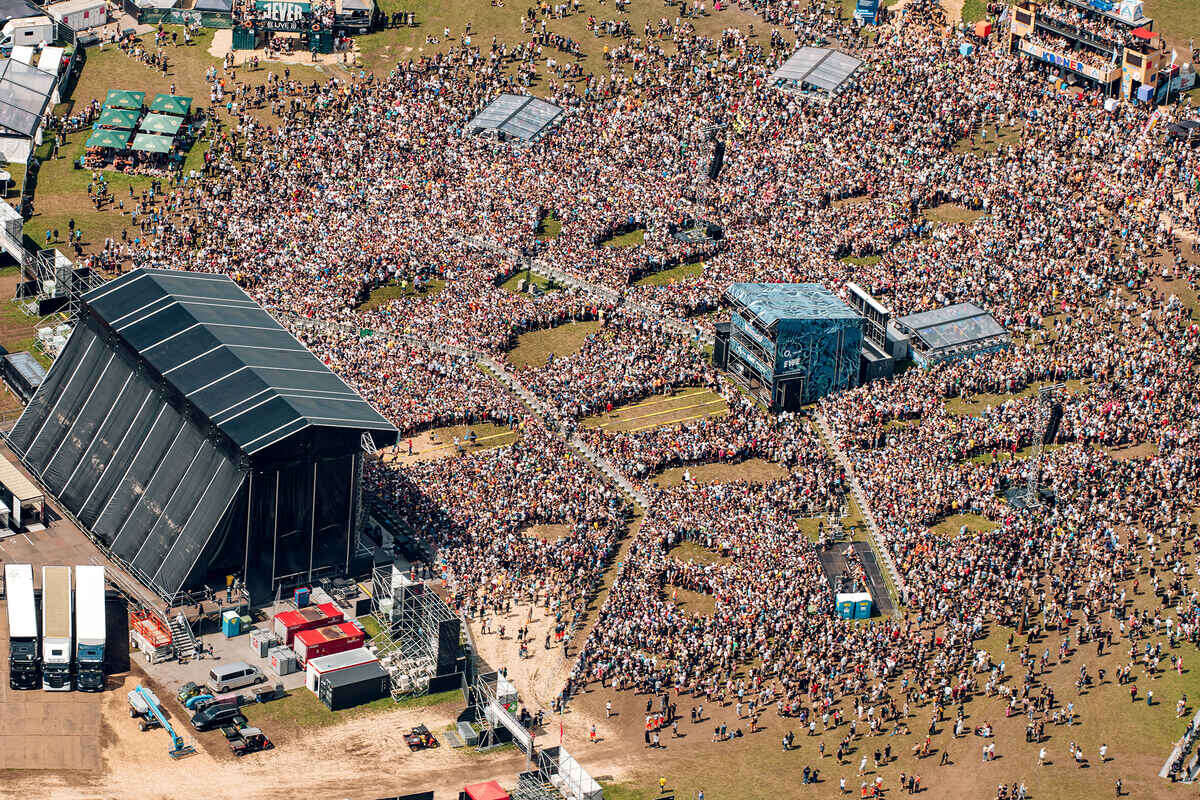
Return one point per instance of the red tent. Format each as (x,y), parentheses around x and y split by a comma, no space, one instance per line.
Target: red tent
(484,791)
(1143,33)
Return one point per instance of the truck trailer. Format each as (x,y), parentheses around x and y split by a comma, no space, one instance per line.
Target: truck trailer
(24,666)
(89,628)
(56,629)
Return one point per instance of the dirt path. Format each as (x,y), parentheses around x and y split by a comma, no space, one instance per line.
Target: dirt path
(953,10)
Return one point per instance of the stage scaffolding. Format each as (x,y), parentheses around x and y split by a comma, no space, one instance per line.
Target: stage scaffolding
(420,632)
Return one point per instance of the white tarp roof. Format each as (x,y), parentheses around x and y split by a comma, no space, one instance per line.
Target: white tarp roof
(519,116)
(816,68)
(51,59)
(24,94)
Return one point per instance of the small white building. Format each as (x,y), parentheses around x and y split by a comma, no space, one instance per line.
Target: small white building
(80,15)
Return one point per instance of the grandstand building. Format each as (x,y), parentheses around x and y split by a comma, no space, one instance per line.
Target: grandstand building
(193,438)
(1109,46)
(790,343)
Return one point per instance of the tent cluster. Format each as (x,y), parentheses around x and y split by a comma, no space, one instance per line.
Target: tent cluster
(125,123)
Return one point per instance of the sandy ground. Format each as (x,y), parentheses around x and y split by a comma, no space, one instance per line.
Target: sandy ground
(426,448)
(136,764)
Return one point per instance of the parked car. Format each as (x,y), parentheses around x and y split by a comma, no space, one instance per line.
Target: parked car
(227,677)
(249,740)
(215,716)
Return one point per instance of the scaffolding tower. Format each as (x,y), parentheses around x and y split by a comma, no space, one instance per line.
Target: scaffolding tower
(420,633)
(51,284)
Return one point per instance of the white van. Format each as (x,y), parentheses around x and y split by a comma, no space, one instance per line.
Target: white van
(30,31)
(227,677)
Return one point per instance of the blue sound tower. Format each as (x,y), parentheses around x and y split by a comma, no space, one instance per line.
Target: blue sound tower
(791,344)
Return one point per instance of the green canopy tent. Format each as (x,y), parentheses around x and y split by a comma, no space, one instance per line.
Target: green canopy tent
(161,123)
(108,138)
(171,104)
(151,143)
(120,98)
(123,118)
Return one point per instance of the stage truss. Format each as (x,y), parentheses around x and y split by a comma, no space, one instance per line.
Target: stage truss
(410,614)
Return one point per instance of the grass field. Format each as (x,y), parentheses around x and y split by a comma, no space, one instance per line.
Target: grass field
(635,238)
(439,442)
(379,51)
(952,526)
(1008,135)
(300,711)
(549,226)
(663,277)
(752,470)
(1178,20)
(545,283)
(533,349)
(693,602)
(861,261)
(973,11)
(382,295)
(680,405)
(951,214)
(980,403)
(698,553)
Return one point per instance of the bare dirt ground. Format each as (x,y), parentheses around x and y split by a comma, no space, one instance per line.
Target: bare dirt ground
(439,443)
(136,764)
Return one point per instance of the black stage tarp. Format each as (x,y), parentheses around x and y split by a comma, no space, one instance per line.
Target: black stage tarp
(190,434)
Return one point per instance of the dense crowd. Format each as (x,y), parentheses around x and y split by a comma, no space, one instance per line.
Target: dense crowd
(1069,226)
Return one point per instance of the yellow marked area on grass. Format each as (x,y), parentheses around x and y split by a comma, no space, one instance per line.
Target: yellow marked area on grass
(681,406)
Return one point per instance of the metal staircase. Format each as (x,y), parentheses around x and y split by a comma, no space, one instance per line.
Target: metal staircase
(182,637)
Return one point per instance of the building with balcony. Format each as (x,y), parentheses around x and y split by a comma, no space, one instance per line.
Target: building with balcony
(1107,46)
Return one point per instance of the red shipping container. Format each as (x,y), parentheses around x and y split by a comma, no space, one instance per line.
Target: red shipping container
(327,641)
(289,623)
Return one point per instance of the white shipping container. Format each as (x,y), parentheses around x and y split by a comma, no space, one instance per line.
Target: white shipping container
(323,665)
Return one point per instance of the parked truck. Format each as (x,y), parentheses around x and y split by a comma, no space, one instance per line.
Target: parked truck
(89,628)
(56,629)
(24,666)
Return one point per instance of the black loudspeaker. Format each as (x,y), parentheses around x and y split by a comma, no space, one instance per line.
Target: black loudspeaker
(720,356)
(1056,415)
(448,646)
(718,160)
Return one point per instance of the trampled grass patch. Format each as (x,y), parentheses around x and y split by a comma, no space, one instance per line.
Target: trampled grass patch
(752,470)
(533,349)
(382,295)
(663,277)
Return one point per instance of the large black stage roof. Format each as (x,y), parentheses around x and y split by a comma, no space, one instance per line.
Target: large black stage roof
(228,357)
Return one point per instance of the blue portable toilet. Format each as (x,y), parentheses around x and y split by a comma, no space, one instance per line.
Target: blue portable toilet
(845,605)
(231,624)
(966,49)
(862,608)
(301,596)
